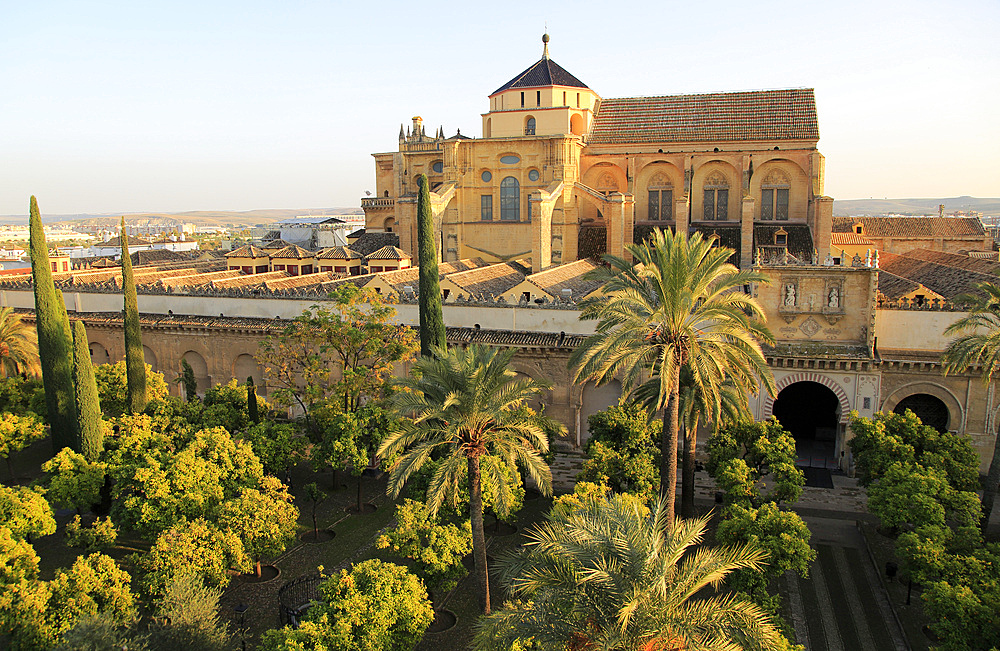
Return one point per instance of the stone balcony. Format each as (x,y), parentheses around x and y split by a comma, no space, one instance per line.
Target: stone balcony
(377,203)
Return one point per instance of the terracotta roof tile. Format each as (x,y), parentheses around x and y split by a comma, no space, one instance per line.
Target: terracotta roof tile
(292,252)
(493,280)
(373,241)
(912,226)
(571,276)
(247,251)
(977,264)
(338,253)
(947,281)
(388,253)
(250,279)
(714,117)
(850,238)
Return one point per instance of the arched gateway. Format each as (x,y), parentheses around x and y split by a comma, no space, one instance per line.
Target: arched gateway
(815,410)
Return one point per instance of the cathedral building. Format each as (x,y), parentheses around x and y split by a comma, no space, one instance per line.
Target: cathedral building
(561,174)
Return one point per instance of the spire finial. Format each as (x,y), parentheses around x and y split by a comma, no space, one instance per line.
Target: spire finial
(545,41)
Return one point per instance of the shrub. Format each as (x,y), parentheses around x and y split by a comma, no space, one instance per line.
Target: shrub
(101,535)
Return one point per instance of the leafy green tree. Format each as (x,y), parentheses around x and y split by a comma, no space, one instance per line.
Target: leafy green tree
(679,303)
(17,433)
(18,560)
(889,438)
(196,546)
(742,454)
(622,451)
(265,519)
(909,494)
(135,361)
(88,405)
(25,512)
(225,405)
(432,330)
(613,575)
(74,482)
(277,445)
(17,395)
(165,486)
(782,535)
(112,387)
(339,355)
(18,345)
(188,381)
(315,495)
(978,344)
(375,607)
(102,633)
(436,548)
(463,406)
(350,440)
(188,616)
(36,614)
(55,347)
(98,536)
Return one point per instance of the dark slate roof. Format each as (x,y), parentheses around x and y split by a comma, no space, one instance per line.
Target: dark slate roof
(545,72)
(912,226)
(940,279)
(357,233)
(799,241)
(729,235)
(894,287)
(369,242)
(714,117)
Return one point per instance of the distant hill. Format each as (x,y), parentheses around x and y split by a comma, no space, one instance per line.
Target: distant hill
(859,207)
(196,217)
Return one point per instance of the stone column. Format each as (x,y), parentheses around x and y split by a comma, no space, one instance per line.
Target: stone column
(614,218)
(746,233)
(541,231)
(823,226)
(681,208)
(406,224)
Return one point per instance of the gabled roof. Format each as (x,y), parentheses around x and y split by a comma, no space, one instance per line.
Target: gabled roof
(357,233)
(571,276)
(247,251)
(544,72)
(981,265)
(849,238)
(370,242)
(388,253)
(338,253)
(788,114)
(799,241)
(493,280)
(276,243)
(912,226)
(946,281)
(894,287)
(292,251)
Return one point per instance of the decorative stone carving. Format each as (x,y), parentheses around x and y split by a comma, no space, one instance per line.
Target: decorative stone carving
(775,178)
(810,327)
(716,180)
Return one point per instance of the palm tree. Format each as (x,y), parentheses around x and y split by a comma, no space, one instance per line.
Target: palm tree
(18,345)
(714,402)
(978,343)
(463,406)
(614,575)
(680,303)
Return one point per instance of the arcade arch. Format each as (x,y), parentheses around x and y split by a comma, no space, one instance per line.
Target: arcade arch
(927,407)
(200,368)
(596,398)
(150,358)
(99,354)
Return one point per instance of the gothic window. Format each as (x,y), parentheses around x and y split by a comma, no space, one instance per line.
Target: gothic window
(529,127)
(661,199)
(510,200)
(486,207)
(774,197)
(716,198)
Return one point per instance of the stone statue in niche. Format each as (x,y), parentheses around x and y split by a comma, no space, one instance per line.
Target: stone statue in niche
(833,299)
(789,295)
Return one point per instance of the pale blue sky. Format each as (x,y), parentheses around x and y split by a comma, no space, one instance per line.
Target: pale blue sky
(111,106)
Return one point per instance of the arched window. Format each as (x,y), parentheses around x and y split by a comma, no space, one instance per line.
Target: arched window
(661,198)
(529,127)
(774,196)
(510,200)
(716,197)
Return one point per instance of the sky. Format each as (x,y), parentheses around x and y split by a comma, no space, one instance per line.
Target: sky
(112,106)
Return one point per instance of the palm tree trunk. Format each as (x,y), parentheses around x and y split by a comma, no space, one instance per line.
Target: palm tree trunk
(478,535)
(687,477)
(668,452)
(990,489)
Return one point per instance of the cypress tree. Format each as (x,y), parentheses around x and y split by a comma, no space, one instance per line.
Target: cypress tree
(88,405)
(252,401)
(135,362)
(189,381)
(54,345)
(432,332)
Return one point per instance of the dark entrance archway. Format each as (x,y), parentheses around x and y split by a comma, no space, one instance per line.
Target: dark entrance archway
(931,410)
(811,412)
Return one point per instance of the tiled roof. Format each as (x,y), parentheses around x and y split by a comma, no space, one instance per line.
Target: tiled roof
(292,252)
(571,276)
(947,281)
(388,253)
(194,279)
(357,233)
(981,265)
(729,236)
(247,251)
(250,279)
(156,255)
(799,240)
(514,338)
(493,280)
(849,238)
(894,287)
(298,281)
(276,243)
(370,242)
(544,72)
(338,253)
(464,264)
(912,226)
(714,117)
